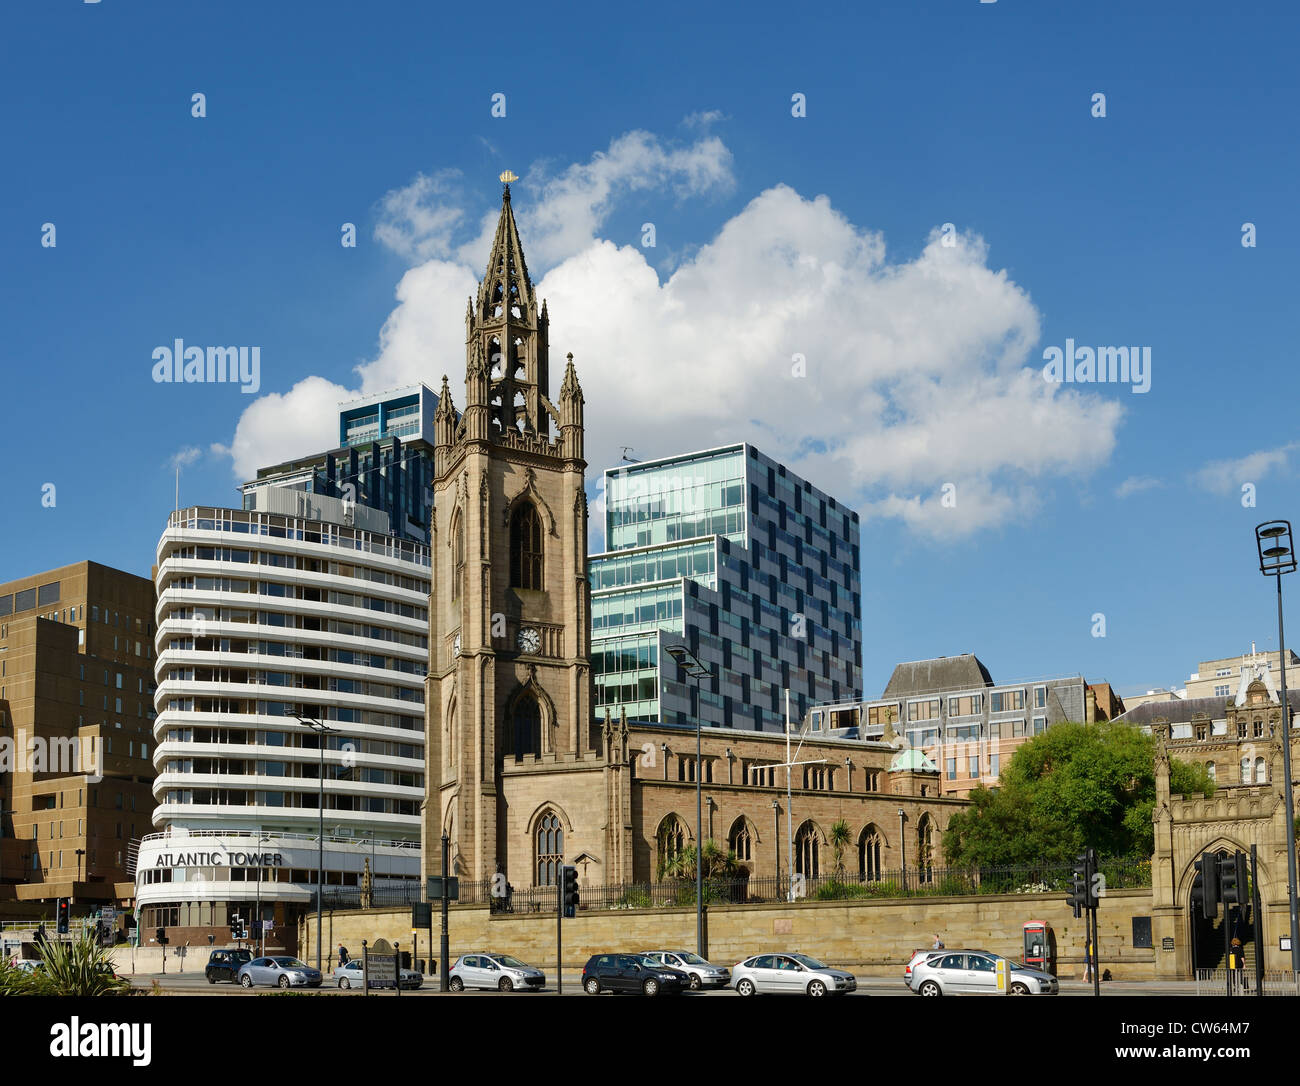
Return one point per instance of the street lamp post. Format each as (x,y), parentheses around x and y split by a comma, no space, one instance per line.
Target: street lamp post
(1277,556)
(690,664)
(321,730)
(776,838)
(902,849)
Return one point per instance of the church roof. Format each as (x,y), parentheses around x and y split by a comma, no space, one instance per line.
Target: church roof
(942,673)
(912,760)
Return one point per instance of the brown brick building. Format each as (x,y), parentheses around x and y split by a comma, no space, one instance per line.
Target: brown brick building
(76,709)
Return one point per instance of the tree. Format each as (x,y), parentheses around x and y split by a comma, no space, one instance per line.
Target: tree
(840,838)
(719,863)
(1072,786)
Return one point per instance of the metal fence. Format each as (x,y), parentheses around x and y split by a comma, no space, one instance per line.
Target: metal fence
(1217,982)
(898,883)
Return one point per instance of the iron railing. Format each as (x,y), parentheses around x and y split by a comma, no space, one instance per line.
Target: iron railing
(1214,982)
(897,883)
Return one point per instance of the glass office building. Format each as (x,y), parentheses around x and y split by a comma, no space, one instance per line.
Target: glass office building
(384,460)
(752,568)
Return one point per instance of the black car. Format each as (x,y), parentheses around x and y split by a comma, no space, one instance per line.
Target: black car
(224,964)
(633,973)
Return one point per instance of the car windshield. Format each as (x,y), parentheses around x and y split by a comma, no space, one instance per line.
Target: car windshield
(690,958)
(289,963)
(811,963)
(645,959)
(511,963)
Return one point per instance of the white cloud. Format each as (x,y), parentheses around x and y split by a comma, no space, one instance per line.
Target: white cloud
(1136,484)
(917,372)
(1225,476)
(417,221)
(184,457)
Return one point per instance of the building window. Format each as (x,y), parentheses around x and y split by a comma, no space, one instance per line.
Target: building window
(1261,774)
(925,850)
(807,852)
(458,558)
(1222,690)
(526,726)
(994,763)
(1040,697)
(550,848)
(740,841)
(1210,771)
(869,869)
(671,839)
(974,765)
(1245,770)
(952,769)
(526,548)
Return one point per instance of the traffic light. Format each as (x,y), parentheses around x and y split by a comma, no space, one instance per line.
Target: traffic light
(569,890)
(1232,878)
(1082,893)
(1205,886)
(64,915)
(161,936)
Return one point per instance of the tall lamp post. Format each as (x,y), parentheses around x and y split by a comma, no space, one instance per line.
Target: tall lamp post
(321,730)
(690,664)
(1276,557)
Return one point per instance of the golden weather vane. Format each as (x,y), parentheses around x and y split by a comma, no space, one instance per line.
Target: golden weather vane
(507,177)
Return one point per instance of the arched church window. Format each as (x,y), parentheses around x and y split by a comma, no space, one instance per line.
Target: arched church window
(740,841)
(526,727)
(526,548)
(807,851)
(869,855)
(550,849)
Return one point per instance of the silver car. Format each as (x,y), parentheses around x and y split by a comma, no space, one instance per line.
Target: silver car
(791,974)
(703,974)
(349,976)
(974,972)
(282,972)
(499,971)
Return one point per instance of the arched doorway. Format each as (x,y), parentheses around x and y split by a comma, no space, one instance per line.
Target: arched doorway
(1206,936)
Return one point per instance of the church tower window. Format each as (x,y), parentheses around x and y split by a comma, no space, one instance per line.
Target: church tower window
(526,548)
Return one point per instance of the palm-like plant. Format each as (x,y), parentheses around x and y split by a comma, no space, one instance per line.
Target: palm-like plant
(840,836)
(719,863)
(78,967)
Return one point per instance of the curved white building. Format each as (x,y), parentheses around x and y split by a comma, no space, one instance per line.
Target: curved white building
(262,618)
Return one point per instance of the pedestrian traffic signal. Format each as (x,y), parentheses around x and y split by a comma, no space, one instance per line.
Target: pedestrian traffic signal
(1205,886)
(1232,878)
(569,890)
(64,915)
(161,936)
(1083,893)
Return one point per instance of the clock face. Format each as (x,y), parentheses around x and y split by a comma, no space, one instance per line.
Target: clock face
(529,640)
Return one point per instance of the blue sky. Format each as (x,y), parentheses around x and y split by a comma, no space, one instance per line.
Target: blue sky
(820,235)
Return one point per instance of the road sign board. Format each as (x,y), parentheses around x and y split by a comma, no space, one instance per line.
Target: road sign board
(381,965)
(434,890)
(421,914)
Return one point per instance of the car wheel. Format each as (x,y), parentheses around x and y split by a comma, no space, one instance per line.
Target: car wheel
(592,986)
(746,987)
(1019,989)
(284,982)
(456,984)
(816,988)
(344,983)
(246,981)
(929,988)
(212,980)
(696,983)
(506,985)
(651,987)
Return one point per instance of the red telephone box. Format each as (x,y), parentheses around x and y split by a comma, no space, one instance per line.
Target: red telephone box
(1040,947)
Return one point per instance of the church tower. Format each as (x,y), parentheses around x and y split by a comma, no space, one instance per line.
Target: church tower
(508,691)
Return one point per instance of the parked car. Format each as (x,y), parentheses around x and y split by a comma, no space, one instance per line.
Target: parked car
(703,974)
(792,974)
(283,972)
(631,973)
(974,972)
(499,971)
(224,964)
(349,976)
(29,965)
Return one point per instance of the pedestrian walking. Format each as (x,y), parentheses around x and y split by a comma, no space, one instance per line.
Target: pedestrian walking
(1087,960)
(343,955)
(938,943)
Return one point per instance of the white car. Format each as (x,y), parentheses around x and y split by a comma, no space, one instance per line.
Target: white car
(349,976)
(974,972)
(790,974)
(499,971)
(703,974)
